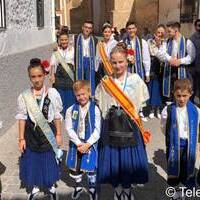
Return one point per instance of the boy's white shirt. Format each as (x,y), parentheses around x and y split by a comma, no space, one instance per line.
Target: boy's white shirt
(146,60)
(76,137)
(182,117)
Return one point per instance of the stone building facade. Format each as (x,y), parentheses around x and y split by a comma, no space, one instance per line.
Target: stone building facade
(27,24)
(147,13)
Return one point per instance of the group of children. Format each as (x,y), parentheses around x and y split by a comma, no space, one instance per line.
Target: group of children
(107,140)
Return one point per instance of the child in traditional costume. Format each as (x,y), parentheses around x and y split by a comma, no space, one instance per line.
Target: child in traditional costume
(83,120)
(62,70)
(122,154)
(39,133)
(140,62)
(181,121)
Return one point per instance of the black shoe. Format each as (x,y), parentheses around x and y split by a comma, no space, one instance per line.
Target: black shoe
(77,192)
(93,194)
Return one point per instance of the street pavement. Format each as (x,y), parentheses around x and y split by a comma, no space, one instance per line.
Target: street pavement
(13,189)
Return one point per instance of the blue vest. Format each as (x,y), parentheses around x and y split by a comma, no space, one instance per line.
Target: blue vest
(89,160)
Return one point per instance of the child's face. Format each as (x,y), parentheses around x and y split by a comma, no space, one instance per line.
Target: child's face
(119,63)
(82,96)
(37,77)
(64,41)
(182,97)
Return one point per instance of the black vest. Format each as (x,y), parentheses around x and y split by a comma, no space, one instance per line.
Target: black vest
(195,38)
(35,138)
(119,129)
(62,79)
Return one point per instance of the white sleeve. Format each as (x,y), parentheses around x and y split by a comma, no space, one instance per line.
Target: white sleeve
(190,54)
(163,119)
(53,62)
(96,134)
(97,59)
(162,54)
(21,109)
(57,103)
(146,57)
(71,55)
(69,128)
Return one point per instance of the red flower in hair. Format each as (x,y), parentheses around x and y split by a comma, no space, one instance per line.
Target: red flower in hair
(130,52)
(45,64)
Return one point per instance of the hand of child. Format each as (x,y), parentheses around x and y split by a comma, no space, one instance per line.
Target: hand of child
(84,148)
(22,145)
(59,140)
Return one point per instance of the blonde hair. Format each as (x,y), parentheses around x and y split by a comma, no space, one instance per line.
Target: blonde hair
(119,48)
(183,84)
(81,84)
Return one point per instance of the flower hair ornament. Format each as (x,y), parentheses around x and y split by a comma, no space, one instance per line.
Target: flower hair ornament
(46,66)
(130,54)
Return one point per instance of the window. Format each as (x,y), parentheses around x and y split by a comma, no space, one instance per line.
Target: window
(189,10)
(40,13)
(2,15)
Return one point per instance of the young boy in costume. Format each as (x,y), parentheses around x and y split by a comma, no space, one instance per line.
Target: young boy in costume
(83,120)
(180,121)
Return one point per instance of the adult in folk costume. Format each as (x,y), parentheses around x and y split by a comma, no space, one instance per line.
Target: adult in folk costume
(140,62)
(108,43)
(195,70)
(85,51)
(62,70)
(122,154)
(155,84)
(178,54)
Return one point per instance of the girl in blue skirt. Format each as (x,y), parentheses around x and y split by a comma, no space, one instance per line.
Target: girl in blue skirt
(122,154)
(38,164)
(155,84)
(62,70)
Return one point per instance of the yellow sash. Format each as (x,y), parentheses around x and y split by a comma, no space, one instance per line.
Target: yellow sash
(106,63)
(112,88)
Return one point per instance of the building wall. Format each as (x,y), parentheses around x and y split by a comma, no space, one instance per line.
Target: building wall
(22,32)
(170,11)
(146,14)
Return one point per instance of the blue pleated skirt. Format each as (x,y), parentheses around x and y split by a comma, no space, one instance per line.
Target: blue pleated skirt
(123,165)
(155,93)
(68,99)
(39,168)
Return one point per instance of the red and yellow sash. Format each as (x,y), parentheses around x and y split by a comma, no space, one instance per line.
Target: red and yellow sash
(105,59)
(112,88)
